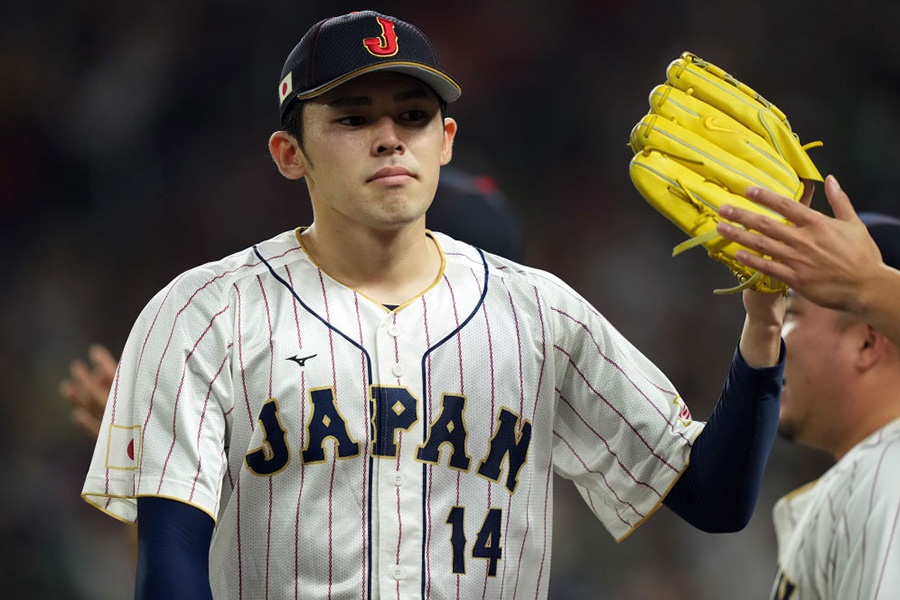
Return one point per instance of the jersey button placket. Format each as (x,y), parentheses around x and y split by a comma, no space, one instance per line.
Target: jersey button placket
(399,496)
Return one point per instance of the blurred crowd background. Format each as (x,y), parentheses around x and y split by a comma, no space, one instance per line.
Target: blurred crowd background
(133,146)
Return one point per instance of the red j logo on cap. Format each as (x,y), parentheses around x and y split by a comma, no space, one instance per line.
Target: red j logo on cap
(386,43)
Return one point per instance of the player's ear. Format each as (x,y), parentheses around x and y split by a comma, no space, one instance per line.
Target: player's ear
(447,144)
(288,156)
(872,347)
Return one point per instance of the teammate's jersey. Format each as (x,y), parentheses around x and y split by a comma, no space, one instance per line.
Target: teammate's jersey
(839,537)
(350,451)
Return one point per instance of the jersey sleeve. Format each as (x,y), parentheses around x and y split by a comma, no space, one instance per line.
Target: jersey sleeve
(622,432)
(164,430)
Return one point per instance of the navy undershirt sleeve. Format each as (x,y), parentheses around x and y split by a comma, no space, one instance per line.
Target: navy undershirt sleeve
(173,551)
(718,491)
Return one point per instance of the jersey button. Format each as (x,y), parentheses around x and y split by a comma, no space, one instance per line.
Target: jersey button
(393,330)
(398,479)
(397,370)
(397,572)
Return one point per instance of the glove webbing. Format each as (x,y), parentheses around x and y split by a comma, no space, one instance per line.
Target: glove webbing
(699,240)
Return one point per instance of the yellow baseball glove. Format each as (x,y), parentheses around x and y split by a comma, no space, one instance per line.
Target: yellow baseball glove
(707,138)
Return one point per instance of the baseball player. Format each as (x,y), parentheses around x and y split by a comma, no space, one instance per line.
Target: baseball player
(838,536)
(362,408)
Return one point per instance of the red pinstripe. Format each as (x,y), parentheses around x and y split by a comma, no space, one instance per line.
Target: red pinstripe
(202,418)
(537,587)
(430,395)
(475,260)
(112,421)
(512,306)
(334,453)
(603,476)
(162,357)
(462,388)
(287,271)
(614,409)
(240,330)
(567,291)
(487,325)
(540,313)
(625,375)
(462,385)
(169,341)
(155,317)
(608,447)
(365,463)
(610,361)
(262,291)
(223,456)
(175,408)
(302,480)
(397,467)
(302,444)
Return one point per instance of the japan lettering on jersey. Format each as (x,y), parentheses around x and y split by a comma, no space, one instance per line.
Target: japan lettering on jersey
(350,451)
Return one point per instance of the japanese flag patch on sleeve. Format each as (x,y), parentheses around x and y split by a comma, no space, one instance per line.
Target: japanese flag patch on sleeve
(123,447)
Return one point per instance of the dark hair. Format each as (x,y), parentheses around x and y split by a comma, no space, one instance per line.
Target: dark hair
(293,122)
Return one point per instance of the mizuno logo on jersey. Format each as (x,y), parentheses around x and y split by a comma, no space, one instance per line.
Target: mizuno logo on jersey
(301,361)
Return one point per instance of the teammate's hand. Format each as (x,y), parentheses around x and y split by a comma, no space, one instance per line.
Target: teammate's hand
(767,309)
(824,259)
(761,338)
(88,388)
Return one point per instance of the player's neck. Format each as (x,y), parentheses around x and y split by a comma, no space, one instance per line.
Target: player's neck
(390,267)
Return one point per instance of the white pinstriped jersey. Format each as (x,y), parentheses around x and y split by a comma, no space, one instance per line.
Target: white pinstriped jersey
(839,537)
(349,451)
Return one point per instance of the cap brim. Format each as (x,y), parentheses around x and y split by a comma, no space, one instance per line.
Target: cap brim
(444,86)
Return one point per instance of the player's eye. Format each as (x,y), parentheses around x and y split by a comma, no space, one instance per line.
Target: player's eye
(352,121)
(415,116)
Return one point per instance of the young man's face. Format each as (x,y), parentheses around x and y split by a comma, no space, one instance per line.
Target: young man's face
(373,149)
(817,373)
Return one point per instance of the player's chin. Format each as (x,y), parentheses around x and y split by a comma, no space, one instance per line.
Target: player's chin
(397,218)
(788,426)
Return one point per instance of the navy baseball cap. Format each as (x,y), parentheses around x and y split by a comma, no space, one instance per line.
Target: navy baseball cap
(885,230)
(337,49)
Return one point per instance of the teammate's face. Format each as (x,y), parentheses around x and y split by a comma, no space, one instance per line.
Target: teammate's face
(819,359)
(373,151)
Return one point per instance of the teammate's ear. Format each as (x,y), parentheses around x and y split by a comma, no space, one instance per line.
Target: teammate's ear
(447,144)
(288,156)
(872,346)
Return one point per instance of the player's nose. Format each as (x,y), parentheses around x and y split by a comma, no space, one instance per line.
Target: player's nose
(386,139)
